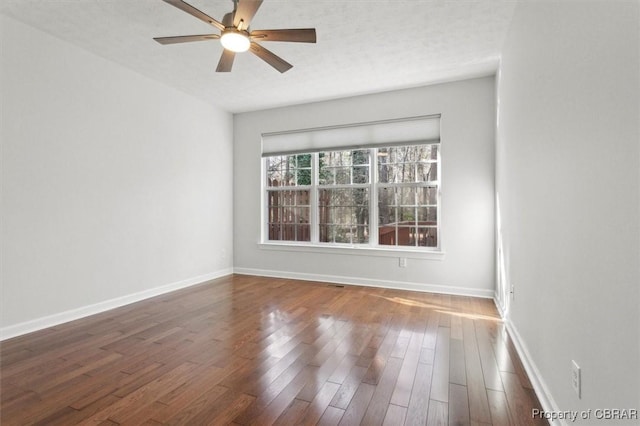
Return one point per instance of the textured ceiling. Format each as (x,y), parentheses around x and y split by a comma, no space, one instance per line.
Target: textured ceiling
(364,46)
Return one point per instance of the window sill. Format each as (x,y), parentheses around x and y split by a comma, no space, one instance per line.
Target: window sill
(355,250)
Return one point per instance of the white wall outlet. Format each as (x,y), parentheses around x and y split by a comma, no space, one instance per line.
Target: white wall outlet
(576,379)
(402,262)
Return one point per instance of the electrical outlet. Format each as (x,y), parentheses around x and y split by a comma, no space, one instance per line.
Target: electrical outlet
(576,379)
(402,262)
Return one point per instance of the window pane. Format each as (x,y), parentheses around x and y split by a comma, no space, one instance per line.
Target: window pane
(427,172)
(323,232)
(428,214)
(289,170)
(337,167)
(433,152)
(387,197)
(406,215)
(327,176)
(303,233)
(361,234)
(302,215)
(387,235)
(408,211)
(342,234)
(289,232)
(303,169)
(343,215)
(274,214)
(303,161)
(406,164)
(304,177)
(289,214)
(427,237)
(360,157)
(360,174)
(343,176)
(407,196)
(384,173)
(337,215)
(386,215)
(275,172)
(405,236)
(428,196)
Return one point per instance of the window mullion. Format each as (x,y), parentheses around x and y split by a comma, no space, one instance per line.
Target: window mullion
(416,221)
(264,200)
(373,197)
(314,214)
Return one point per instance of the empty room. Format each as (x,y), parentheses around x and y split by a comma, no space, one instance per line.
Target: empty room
(320,212)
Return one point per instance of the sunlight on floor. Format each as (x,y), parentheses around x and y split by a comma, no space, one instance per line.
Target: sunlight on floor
(439,308)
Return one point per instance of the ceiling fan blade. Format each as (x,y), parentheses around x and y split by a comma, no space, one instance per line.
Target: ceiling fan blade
(186,7)
(270,58)
(226,61)
(245,11)
(186,39)
(302,35)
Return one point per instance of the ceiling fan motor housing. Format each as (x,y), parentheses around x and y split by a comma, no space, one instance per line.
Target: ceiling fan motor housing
(227,19)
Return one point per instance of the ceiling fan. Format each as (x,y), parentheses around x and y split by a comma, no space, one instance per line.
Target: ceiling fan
(236,37)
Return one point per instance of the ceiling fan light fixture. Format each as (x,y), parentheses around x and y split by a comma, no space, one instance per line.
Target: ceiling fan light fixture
(236,37)
(234,40)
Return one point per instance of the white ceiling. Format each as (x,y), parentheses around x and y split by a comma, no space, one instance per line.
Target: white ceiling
(364,46)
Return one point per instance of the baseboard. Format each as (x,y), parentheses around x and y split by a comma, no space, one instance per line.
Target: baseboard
(398,285)
(499,308)
(85,311)
(539,385)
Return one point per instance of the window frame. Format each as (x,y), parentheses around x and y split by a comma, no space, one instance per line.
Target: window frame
(372,247)
(416,185)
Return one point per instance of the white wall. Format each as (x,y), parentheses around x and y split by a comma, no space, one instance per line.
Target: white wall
(568,182)
(468,131)
(112,184)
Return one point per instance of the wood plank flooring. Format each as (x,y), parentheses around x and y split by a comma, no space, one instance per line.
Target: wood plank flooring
(260,351)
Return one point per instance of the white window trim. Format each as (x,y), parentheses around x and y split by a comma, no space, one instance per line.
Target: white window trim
(358,250)
(368,249)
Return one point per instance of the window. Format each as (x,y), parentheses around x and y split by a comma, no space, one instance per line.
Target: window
(343,196)
(408,196)
(377,196)
(289,186)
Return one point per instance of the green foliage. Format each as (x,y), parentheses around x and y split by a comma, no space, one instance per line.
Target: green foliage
(325,175)
(304,177)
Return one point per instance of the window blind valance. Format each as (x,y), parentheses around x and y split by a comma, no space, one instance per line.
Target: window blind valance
(405,131)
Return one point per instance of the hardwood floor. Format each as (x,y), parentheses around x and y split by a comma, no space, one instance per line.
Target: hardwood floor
(252,350)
